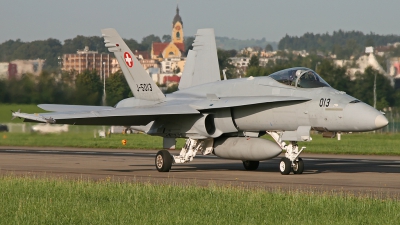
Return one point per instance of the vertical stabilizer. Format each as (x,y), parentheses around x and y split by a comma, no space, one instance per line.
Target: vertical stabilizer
(139,81)
(188,72)
(202,62)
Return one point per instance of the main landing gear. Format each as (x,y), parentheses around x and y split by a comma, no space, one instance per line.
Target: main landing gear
(291,161)
(164,159)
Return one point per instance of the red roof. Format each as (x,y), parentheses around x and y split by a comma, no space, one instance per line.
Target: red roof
(159,47)
(181,46)
(145,54)
(173,78)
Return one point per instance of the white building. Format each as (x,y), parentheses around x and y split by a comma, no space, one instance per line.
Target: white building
(169,64)
(33,66)
(240,61)
(4,70)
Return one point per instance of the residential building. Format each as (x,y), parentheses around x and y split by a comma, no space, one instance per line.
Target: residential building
(88,60)
(169,65)
(240,62)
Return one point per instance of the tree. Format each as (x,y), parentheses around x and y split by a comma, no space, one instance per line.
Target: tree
(269,48)
(369,42)
(335,76)
(232,52)
(7,48)
(171,88)
(327,42)
(176,70)
(21,91)
(3,90)
(88,89)
(134,45)
(166,38)
(254,61)
(256,71)
(225,63)
(48,89)
(117,88)
(188,44)
(49,50)
(396,97)
(364,85)
(148,41)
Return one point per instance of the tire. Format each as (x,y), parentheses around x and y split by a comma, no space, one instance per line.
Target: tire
(285,166)
(251,165)
(128,131)
(298,166)
(163,161)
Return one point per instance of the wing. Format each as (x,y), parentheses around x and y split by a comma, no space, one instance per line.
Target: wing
(137,116)
(119,116)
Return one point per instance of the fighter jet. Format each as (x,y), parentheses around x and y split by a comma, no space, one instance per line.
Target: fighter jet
(223,117)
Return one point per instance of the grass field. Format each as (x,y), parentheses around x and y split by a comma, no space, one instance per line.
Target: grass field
(5,111)
(361,143)
(26,200)
(83,139)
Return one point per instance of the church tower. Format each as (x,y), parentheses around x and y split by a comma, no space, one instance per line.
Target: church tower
(177,28)
(174,49)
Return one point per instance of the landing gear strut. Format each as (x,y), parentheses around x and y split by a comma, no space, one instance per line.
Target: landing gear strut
(291,161)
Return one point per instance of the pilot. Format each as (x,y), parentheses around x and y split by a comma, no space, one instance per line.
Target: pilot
(292,77)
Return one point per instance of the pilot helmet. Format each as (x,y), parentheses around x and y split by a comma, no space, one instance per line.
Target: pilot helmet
(298,73)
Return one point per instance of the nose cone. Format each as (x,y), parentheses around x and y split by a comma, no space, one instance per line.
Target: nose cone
(362,117)
(381,121)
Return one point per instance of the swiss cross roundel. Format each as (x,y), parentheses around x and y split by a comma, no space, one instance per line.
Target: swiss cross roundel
(128,59)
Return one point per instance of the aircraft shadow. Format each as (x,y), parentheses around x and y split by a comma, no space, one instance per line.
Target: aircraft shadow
(311,166)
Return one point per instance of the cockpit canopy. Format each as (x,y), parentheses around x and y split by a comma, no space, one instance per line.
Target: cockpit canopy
(299,77)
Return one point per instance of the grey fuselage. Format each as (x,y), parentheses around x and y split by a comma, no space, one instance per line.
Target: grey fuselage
(326,109)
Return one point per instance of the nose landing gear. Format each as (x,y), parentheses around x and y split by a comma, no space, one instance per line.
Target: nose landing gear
(291,161)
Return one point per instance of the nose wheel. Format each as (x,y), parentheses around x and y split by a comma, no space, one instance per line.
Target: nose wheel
(291,161)
(298,166)
(286,166)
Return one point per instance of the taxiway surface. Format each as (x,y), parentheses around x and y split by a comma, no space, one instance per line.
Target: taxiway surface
(378,175)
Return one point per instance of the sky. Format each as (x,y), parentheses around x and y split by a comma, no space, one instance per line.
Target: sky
(30,20)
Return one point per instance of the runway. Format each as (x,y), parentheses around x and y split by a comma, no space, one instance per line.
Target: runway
(378,175)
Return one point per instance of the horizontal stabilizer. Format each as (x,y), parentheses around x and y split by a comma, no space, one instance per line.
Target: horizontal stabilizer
(66,108)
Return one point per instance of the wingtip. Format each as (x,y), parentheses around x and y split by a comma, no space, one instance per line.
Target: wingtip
(14,114)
